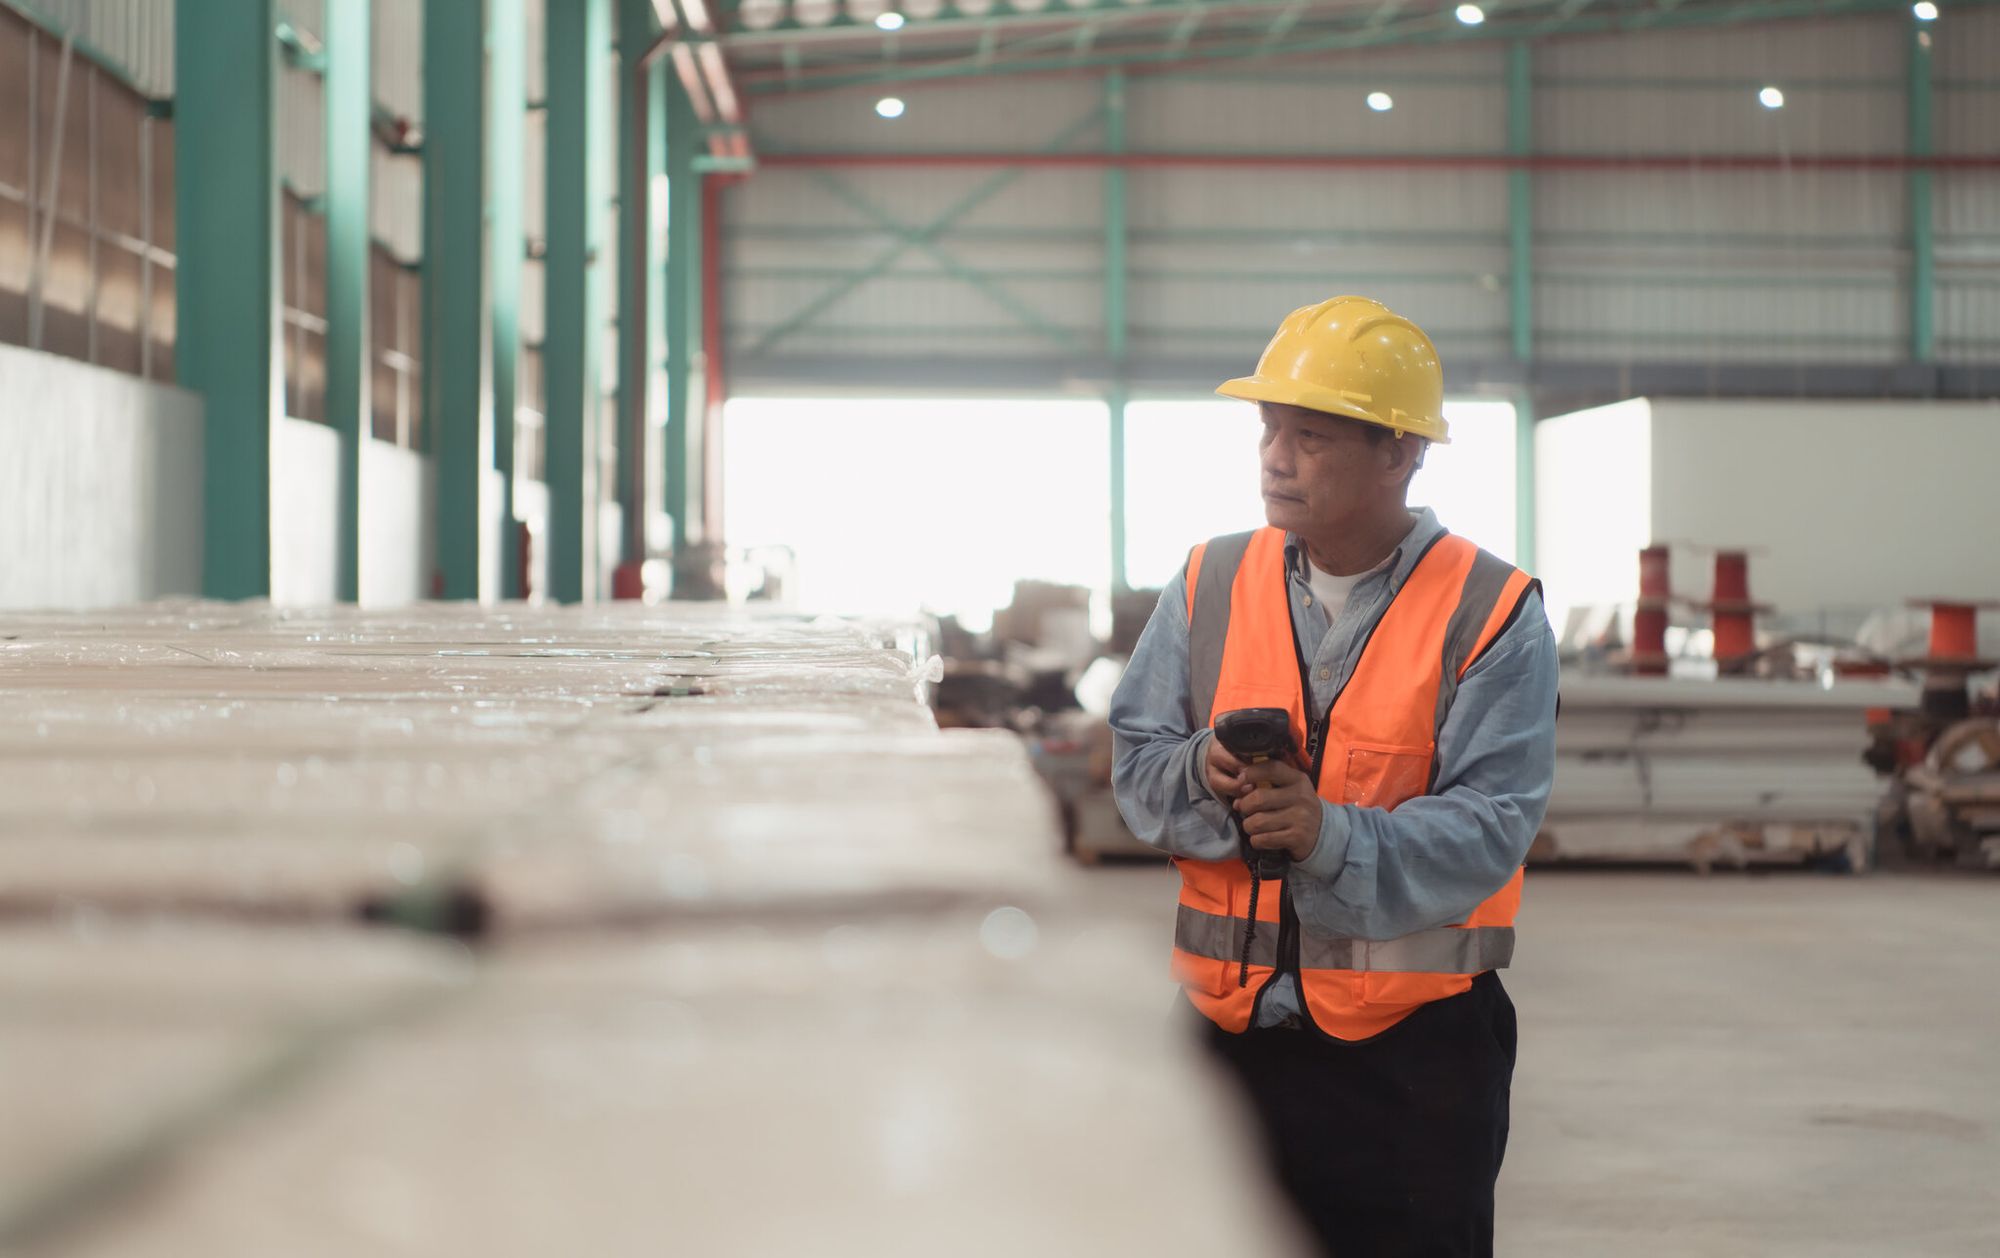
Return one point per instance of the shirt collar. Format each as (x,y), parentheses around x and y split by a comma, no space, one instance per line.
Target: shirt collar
(1424,530)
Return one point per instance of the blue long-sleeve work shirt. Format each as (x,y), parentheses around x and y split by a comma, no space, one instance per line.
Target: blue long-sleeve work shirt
(1375,874)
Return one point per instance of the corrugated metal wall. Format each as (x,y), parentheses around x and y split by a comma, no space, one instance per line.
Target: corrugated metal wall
(1033,236)
(1781,264)
(1967,203)
(86,203)
(1723,265)
(136,36)
(109,295)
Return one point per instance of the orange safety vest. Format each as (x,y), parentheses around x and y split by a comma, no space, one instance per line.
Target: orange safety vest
(1375,748)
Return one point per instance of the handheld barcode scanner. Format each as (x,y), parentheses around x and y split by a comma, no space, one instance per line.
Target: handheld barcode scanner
(1254,735)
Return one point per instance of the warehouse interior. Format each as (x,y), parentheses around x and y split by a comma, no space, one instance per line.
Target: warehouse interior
(564,566)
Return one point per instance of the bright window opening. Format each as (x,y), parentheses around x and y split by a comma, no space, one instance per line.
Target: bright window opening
(892,505)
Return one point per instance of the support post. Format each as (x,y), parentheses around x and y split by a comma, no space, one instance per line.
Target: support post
(1923,253)
(683,318)
(1521,288)
(1524,479)
(1115,327)
(506,241)
(634,32)
(226,291)
(716,393)
(457,401)
(578,38)
(349,356)
(1521,199)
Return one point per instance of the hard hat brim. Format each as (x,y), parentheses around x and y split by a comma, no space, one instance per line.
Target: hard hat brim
(1328,402)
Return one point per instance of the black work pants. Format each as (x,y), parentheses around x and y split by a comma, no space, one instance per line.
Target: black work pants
(1390,1146)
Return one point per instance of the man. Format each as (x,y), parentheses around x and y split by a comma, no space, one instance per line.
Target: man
(1352,990)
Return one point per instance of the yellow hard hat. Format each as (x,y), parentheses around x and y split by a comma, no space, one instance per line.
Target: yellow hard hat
(1355,357)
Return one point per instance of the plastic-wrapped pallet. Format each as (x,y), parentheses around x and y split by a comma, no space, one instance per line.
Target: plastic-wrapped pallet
(121,1042)
(963,1085)
(776,965)
(1729,771)
(241,759)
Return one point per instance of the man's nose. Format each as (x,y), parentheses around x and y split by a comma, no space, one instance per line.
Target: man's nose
(1276,458)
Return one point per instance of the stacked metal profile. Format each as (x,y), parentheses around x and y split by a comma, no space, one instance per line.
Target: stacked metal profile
(1729,771)
(724,949)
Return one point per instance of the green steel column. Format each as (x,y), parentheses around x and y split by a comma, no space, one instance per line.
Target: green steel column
(577,36)
(349,120)
(682,292)
(455,393)
(655,489)
(506,242)
(226,290)
(1521,199)
(1114,312)
(635,167)
(1521,290)
(1923,255)
(1524,479)
(601,296)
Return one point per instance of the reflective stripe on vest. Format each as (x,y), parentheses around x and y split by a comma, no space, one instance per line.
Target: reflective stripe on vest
(1445,950)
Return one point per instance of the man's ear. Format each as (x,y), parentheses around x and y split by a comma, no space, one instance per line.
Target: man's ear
(1405,454)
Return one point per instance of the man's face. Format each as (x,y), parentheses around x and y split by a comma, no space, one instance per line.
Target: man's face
(1320,471)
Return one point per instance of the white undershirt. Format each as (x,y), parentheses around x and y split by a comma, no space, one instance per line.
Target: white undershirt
(1330,593)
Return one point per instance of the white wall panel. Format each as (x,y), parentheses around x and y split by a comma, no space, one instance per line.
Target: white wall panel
(1848,504)
(396,209)
(398,525)
(534,174)
(305,479)
(100,485)
(398,65)
(534,289)
(302,131)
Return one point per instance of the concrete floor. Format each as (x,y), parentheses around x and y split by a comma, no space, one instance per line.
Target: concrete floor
(1774,1065)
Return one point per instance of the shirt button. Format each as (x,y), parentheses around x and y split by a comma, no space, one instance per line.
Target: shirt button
(1309,600)
(1325,673)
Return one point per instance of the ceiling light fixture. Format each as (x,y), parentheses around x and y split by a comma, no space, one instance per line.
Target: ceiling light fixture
(1471,14)
(1771,98)
(1925,11)
(1381,102)
(889,21)
(889,107)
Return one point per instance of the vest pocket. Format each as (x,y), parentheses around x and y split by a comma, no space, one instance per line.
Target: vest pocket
(1380,775)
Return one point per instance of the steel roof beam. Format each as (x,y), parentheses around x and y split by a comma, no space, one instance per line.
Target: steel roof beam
(1426,28)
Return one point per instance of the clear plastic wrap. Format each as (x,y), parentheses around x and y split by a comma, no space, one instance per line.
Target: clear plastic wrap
(771,963)
(878,1088)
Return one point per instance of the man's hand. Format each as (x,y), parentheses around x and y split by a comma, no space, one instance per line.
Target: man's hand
(1224,772)
(1281,810)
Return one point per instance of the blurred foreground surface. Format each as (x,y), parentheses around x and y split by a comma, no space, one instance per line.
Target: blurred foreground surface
(514,931)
